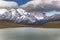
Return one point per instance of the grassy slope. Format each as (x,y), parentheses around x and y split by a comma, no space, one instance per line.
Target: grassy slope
(6,24)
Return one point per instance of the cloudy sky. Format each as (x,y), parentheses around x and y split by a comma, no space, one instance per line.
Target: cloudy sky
(50,7)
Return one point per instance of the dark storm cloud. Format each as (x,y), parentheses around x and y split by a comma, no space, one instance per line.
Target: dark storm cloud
(42,5)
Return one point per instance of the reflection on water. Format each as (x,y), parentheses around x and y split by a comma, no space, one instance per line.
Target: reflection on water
(29,34)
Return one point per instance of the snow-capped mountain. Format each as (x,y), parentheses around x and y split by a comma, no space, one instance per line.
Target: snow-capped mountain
(55,17)
(4,14)
(20,16)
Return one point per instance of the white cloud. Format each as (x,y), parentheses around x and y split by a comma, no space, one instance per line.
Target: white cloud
(42,5)
(9,4)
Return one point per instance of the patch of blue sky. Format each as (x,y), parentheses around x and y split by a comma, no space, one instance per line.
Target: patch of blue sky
(52,13)
(20,2)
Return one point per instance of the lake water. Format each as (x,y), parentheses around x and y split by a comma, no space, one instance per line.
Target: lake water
(29,34)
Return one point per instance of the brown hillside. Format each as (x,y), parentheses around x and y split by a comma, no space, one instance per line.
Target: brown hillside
(6,24)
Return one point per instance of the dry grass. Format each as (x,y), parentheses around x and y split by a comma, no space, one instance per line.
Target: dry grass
(6,24)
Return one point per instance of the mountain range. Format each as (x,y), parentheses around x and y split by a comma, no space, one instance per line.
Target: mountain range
(55,17)
(21,16)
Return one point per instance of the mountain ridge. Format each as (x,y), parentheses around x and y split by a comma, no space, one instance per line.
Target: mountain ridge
(21,16)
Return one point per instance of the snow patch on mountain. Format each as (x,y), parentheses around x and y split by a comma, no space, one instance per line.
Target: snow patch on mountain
(2,11)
